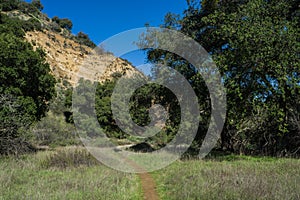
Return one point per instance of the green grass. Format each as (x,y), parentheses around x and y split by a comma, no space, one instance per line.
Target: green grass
(27,178)
(231,177)
(70,173)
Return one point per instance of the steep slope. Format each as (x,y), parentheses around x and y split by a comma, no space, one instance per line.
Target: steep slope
(66,56)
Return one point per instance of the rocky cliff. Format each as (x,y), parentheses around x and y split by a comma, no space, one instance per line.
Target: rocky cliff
(70,60)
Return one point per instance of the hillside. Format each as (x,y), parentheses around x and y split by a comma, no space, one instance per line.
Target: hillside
(40,61)
(66,54)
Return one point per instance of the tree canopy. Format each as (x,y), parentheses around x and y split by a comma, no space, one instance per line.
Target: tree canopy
(26,86)
(255,45)
(63,23)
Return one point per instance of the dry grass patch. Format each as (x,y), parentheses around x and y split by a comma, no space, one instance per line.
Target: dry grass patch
(69,157)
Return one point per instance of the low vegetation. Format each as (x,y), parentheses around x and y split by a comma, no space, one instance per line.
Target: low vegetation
(230,177)
(65,158)
(71,173)
(27,177)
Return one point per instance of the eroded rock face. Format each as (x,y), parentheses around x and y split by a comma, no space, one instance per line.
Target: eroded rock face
(70,61)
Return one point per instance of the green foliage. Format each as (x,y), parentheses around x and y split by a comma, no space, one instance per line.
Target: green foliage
(56,19)
(26,88)
(24,72)
(28,8)
(8,5)
(66,23)
(258,73)
(31,25)
(63,23)
(253,44)
(37,4)
(140,103)
(57,128)
(68,104)
(11,26)
(103,109)
(83,97)
(84,39)
(18,27)
(53,131)
(55,27)
(16,114)
(147,96)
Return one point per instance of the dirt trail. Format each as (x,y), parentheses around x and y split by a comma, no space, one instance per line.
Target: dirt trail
(149,187)
(148,183)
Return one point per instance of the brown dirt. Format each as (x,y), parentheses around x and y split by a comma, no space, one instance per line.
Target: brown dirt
(149,187)
(148,183)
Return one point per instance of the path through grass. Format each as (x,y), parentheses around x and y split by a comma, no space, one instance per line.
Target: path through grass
(74,175)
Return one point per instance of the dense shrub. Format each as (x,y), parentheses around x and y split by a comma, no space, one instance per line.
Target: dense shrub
(55,27)
(54,131)
(11,26)
(15,120)
(37,4)
(28,8)
(84,39)
(9,5)
(18,27)
(68,158)
(26,88)
(66,23)
(63,23)
(31,25)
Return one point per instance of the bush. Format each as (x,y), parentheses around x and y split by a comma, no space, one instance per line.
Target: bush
(28,8)
(32,8)
(9,5)
(29,76)
(11,26)
(84,39)
(55,27)
(54,131)
(31,25)
(26,87)
(66,23)
(63,23)
(37,4)
(14,121)
(68,158)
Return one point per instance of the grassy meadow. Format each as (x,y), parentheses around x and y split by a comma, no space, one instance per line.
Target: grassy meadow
(231,177)
(69,173)
(39,176)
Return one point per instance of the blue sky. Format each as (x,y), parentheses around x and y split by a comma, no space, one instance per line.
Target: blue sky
(103,19)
